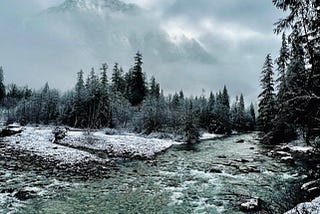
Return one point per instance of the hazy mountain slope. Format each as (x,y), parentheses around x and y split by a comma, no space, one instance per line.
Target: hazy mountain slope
(115,30)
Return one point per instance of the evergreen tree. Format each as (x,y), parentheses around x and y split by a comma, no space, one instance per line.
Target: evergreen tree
(303,20)
(117,79)
(191,126)
(252,117)
(78,112)
(138,88)
(2,87)
(104,109)
(267,98)
(154,90)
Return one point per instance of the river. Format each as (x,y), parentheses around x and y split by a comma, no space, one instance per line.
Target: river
(214,176)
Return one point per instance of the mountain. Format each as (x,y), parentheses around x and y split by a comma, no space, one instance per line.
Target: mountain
(94,5)
(110,28)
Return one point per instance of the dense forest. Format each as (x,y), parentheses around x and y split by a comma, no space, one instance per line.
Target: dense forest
(126,100)
(290,103)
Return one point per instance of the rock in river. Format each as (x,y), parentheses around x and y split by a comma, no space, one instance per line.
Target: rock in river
(253,204)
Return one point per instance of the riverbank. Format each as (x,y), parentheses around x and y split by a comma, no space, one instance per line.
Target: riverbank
(79,152)
(298,153)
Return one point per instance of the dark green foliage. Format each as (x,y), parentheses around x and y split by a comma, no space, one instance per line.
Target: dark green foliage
(137,86)
(191,126)
(267,97)
(117,80)
(2,87)
(299,71)
(127,102)
(154,90)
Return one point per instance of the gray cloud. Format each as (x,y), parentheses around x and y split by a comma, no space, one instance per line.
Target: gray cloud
(236,34)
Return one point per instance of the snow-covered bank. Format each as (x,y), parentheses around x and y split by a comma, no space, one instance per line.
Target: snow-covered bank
(75,146)
(39,142)
(312,207)
(118,145)
(34,150)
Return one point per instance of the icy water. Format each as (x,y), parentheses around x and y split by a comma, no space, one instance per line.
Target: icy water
(178,181)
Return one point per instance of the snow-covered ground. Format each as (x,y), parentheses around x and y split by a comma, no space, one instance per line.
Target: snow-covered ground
(312,207)
(39,141)
(126,145)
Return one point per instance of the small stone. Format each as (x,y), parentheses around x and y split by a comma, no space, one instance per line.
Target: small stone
(222,156)
(240,141)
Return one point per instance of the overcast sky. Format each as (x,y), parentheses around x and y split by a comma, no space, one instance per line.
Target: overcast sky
(237,32)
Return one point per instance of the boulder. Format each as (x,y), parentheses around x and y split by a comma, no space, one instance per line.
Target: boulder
(59,133)
(287,159)
(248,169)
(312,187)
(253,204)
(240,141)
(24,195)
(10,130)
(214,170)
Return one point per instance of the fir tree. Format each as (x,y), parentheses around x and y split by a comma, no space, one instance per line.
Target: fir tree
(138,88)
(267,98)
(117,79)
(2,87)
(154,90)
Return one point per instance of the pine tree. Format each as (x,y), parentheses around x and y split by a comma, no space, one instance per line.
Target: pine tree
(138,88)
(252,117)
(104,109)
(241,112)
(117,79)
(267,97)
(78,114)
(2,87)
(154,90)
(303,20)
(282,63)
(191,124)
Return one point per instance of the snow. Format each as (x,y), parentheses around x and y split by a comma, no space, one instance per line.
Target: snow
(282,153)
(119,144)
(302,149)
(312,207)
(207,136)
(287,158)
(39,141)
(309,184)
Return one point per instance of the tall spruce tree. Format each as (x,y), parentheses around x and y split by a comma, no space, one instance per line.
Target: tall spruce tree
(137,83)
(302,20)
(2,87)
(267,97)
(117,80)
(104,109)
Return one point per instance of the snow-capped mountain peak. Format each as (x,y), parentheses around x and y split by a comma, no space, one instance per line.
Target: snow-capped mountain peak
(95,5)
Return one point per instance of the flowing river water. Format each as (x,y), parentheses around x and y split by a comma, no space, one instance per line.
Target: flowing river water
(215,176)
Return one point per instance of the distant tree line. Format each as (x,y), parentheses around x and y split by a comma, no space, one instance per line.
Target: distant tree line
(290,105)
(126,100)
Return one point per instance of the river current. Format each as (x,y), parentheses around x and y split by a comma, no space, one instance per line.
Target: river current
(214,176)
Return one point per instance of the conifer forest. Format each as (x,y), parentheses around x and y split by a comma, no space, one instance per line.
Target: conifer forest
(129,106)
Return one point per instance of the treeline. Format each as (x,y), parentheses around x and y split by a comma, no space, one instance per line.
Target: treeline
(293,105)
(127,100)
